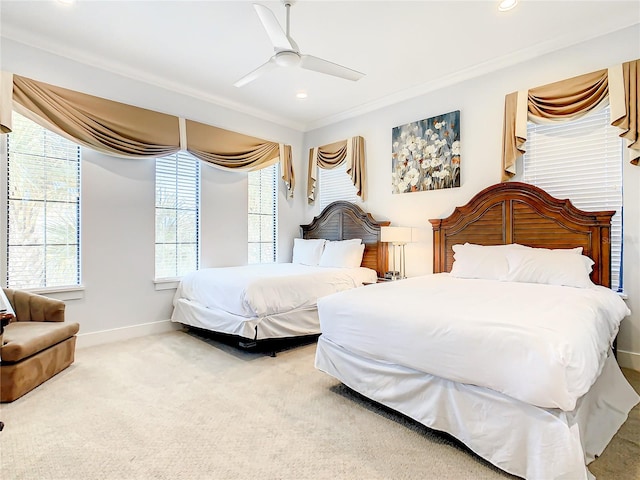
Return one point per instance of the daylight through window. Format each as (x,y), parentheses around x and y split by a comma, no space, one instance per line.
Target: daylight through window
(582,161)
(263,215)
(43,199)
(177,215)
(336,184)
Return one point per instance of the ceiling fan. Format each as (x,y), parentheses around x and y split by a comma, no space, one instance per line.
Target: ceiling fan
(287,53)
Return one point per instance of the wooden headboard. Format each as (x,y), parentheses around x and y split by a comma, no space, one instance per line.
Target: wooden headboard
(515,212)
(343,221)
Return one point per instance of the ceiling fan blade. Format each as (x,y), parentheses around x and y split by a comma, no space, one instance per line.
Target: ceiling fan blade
(251,76)
(309,62)
(274,30)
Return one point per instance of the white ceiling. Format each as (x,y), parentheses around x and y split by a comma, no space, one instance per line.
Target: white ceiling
(406,48)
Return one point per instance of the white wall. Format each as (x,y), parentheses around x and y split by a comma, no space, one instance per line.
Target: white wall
(119,297)
(118,194)
(481,104)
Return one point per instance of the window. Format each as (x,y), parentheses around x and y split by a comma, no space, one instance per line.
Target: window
(263,215)
(43,200)
(581,161)
(177,215)
(336,184)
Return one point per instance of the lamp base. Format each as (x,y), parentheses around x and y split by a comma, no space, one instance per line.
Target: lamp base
(392,275)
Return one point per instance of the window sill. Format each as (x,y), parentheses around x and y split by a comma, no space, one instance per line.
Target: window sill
(75,292)
(166,283)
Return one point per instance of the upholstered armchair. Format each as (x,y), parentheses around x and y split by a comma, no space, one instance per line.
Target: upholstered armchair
(35,345)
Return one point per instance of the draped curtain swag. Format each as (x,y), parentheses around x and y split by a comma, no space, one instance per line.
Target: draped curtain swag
(118,129)
(571,99)
(330,156)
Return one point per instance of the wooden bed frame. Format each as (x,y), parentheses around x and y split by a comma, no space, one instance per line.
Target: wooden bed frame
(338,221)
(343,221)
(515,212)
(500,214)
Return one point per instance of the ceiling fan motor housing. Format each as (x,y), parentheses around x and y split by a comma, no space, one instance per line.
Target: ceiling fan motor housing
(287,58)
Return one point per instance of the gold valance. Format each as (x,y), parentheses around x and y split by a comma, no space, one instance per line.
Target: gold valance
(118,129)
(330,156)
(571,99)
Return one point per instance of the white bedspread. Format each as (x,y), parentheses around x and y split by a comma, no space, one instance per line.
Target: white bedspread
(267,289)
(541,344)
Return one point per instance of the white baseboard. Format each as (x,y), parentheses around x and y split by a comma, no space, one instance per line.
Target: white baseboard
(125,333)
(629,360)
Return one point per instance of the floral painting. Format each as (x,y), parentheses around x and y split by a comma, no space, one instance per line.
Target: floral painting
(426,154)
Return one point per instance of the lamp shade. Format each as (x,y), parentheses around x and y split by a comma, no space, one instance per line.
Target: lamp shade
(396,235)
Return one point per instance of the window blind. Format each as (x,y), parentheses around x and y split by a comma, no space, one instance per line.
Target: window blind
(43,199)
(263,215)
(581,161)
(177,215)
(336,184)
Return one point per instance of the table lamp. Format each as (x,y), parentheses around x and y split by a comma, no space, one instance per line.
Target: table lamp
(398,237)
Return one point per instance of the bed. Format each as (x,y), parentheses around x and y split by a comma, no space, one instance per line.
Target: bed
(522,371)
(276,301)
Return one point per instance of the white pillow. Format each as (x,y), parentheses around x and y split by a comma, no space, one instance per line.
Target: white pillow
(342,253)
(482,261)
(307,252)
(552,267)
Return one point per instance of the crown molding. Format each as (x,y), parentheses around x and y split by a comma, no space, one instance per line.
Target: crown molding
(542,48)
(34,41)
(459,76)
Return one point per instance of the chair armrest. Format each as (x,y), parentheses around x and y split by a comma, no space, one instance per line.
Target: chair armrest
(35,308)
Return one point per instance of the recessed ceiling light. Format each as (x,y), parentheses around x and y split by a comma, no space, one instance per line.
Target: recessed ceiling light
(505,5)
(301,95)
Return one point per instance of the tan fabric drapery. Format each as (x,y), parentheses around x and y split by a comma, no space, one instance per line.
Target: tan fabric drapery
(625,111)
(569,100)
(118,129)
(330,156)
(6,101)
(104,125)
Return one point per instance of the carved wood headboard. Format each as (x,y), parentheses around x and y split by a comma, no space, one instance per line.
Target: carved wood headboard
(515,212)
(343,221)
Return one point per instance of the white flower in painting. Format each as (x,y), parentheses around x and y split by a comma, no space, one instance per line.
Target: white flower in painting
(437,125)
(396,145)
(412,177)
(434,137)
(413,147)
(427,182)
(435,163)
(428,133)
(430,150)
(405,152)
(403,135)
(455,147)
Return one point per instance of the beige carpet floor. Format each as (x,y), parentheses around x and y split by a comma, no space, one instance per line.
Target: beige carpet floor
(180,406)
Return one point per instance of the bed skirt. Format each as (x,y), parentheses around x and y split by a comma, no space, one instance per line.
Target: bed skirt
(519,438)
(295,323)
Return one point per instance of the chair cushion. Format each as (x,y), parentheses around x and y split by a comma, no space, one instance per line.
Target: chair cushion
(23,339)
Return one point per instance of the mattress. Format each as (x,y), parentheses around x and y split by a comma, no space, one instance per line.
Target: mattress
(267,289)
(482,332)
(261,301)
